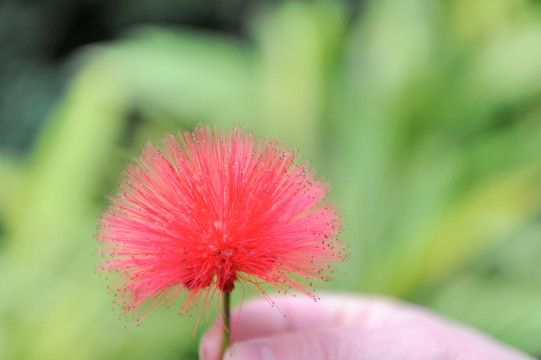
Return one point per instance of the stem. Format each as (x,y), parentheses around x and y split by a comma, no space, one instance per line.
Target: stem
(227,321)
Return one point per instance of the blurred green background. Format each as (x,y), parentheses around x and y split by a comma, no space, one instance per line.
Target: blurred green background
(425,116)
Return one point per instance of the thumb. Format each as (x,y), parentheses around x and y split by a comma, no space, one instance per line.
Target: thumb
(314,344)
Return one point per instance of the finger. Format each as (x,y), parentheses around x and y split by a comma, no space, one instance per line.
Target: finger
(258,318)
(299,323)
(210,346)
(402,342)
(334,343)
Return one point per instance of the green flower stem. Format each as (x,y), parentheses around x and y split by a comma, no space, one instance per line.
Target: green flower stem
(227,321)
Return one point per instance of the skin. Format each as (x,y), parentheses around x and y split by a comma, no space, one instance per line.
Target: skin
(341,326)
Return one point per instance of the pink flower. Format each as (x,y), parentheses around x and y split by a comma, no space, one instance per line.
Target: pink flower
(211,209)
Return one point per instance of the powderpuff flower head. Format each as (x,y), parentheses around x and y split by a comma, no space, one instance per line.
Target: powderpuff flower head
(212,209)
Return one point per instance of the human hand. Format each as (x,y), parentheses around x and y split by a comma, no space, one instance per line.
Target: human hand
(348,327)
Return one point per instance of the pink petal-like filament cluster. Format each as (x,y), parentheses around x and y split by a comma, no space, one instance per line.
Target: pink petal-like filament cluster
(212,208)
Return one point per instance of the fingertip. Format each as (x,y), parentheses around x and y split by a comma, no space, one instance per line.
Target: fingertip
(210,346)
(249,351)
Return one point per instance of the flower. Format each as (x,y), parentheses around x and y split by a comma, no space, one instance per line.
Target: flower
(211,209)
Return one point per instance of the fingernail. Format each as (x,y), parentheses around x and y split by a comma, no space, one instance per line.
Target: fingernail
(249,351)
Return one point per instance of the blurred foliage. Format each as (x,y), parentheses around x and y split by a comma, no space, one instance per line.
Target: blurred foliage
(425,116)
